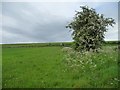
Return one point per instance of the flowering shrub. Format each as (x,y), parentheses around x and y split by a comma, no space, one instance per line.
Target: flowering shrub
(88,29)
(96,65)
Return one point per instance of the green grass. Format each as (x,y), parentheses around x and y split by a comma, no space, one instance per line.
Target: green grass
(95,69)
(0,67)
(47,67)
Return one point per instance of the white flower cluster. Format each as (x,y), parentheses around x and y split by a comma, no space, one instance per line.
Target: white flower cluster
(87,60)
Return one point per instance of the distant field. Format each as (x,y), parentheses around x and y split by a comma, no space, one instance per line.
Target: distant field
(58,44)
(40,67)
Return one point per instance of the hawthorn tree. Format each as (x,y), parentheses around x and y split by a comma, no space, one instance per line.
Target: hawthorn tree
(89,29)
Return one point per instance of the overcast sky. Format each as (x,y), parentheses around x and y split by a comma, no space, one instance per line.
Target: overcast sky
(45,21)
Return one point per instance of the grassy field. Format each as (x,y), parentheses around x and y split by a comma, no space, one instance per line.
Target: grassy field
(51,67)
(0,66)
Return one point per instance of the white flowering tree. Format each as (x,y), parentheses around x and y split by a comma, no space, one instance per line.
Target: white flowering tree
(89,29)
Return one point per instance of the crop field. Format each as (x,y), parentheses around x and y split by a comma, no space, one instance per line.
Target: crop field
(55,67)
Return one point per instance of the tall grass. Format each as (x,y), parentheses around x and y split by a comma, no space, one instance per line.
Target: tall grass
(94,69)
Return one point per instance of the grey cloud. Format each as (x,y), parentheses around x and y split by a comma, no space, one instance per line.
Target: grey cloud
(33,25)
(36,22)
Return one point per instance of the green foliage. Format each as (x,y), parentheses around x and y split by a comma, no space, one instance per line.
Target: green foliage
(89,28)
(96,69)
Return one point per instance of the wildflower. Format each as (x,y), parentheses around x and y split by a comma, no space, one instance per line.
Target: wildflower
(111,83)
(94,65)
(115,79)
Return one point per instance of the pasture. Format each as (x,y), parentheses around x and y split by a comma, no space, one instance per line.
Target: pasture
(50,67)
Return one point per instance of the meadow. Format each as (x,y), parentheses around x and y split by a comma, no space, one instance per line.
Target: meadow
(0,66)
(54,67)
